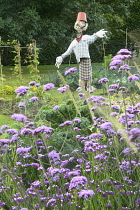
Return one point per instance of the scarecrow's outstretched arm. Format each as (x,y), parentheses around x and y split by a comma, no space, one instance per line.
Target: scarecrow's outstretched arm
(59,59)
(101,33)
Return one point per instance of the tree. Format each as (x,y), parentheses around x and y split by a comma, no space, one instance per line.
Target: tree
(51,23)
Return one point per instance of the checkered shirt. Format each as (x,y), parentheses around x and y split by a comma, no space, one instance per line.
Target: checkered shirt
(81,48)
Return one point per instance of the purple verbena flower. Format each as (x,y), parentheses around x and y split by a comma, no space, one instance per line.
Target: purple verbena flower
(113,67)
(55,108)
(36,184)
(113,114)
(77,120)
(125,165)
(138,201)
(32,83)
(133,78)
(43,129)
(19,117)
(5,141)
(124,118)
(111,90)
(134,134)
(96,99)
(101,157)
(63,89)
(71,70)
(132,110)
(48,86)
(53,171)
(137,105)
(54,155)
(51,202)
(23,149)
(25,131)
(115,62)
(96,136)
(124,67)
(78,181)
(15,137)
(114,86)
(22,104)
(103,80)
(37,84)
(76,129)
(4,127)
(34,98)
(81,95)
(111,132)
(122,88)
(2,204)
(12,131)
(124,52)
(118,57)
(106,126)
(22,90)
(73,173)
(108,205)
(126,150)
(86,194)
(116,107)
(93,108)
(110,192)
(68,122)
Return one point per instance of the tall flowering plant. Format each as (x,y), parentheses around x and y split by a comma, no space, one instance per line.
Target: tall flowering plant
(120,64)
(32,59)
(17,59)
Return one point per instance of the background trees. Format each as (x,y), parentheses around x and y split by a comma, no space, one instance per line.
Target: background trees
(51,24)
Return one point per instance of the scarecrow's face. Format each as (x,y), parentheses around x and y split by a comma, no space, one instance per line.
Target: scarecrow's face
(80,26)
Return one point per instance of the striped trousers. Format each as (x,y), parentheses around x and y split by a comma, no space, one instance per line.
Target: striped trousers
(85,69)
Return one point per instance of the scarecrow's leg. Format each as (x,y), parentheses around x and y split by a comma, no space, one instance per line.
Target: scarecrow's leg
(82,84)
(89,87)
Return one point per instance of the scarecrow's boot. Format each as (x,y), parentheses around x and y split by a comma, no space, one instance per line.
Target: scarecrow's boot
(81,85)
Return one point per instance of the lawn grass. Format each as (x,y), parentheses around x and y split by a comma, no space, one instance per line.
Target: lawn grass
(27,77)
(6,120)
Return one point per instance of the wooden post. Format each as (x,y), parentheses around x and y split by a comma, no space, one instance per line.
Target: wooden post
(1,77)
(19,62)
(126,39)
(35,52)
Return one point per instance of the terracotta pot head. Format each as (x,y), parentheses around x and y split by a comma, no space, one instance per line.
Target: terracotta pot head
(81,22)
(81,16)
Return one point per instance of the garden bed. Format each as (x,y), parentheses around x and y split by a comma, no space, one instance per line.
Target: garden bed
(69,150)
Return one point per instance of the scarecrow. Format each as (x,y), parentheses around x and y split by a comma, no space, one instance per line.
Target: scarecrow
(80,47)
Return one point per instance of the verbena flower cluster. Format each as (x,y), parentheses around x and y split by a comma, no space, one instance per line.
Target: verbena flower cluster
(71,70)
(63,89)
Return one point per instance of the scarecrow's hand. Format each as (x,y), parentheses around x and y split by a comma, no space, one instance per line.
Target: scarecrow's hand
(58,61)
(101,33)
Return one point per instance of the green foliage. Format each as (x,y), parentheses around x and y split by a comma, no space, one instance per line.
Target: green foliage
(66,111)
